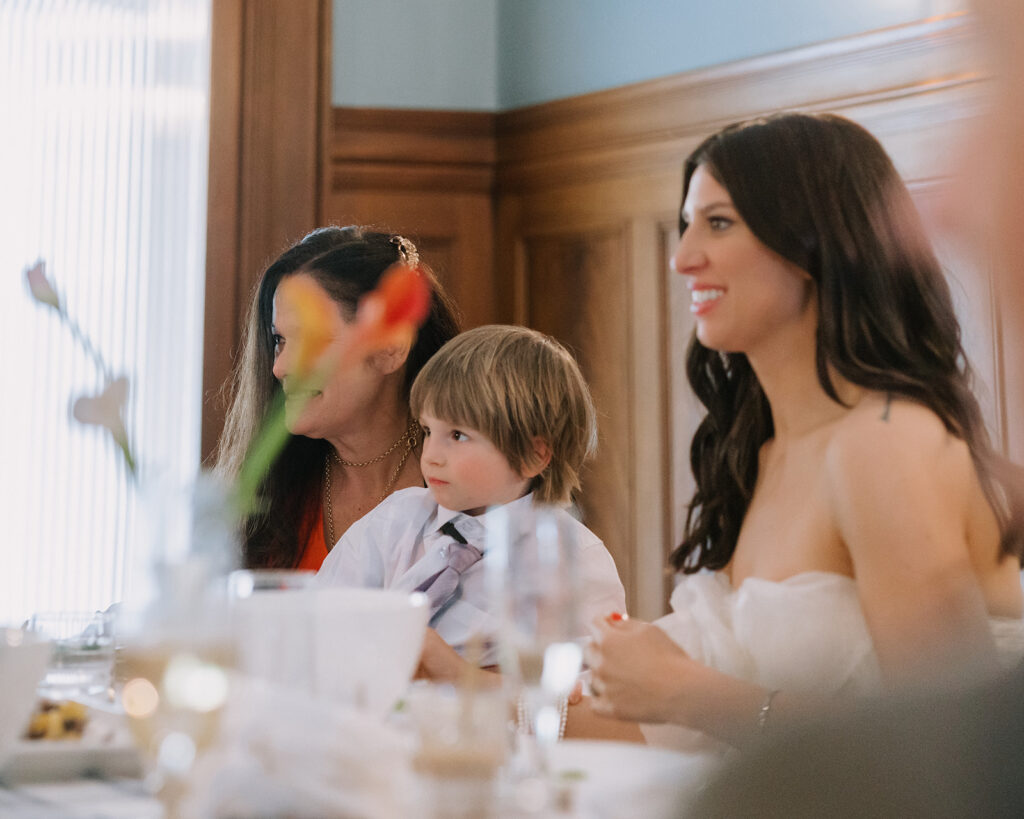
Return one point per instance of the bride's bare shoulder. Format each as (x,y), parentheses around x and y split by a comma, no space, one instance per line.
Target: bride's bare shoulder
(885,438)
(879,417)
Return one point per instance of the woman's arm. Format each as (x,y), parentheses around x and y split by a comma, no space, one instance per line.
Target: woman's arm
(900,488)
(640,674)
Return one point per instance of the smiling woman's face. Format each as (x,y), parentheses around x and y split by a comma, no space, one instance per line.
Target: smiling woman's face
(348,393)
(741,291)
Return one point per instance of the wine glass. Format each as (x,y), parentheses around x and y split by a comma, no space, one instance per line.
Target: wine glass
(535,577)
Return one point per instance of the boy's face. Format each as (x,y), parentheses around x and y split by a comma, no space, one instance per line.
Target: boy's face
(464,470)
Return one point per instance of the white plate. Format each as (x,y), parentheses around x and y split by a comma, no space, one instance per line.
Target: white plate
(614,779)
(105,750)
(48,760)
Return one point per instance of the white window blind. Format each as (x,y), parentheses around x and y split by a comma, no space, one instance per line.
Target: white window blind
(104,108)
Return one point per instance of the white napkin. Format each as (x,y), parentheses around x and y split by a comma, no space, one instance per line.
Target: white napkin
(285,754)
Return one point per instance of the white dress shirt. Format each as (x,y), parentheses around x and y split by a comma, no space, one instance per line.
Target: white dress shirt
(386,549)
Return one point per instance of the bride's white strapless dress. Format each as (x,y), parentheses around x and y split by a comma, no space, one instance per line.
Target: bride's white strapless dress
(803,634)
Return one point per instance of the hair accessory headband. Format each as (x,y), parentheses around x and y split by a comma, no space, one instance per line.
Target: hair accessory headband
(407,250)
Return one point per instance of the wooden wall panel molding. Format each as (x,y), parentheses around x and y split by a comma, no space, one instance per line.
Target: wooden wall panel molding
(432,150)
(270,93)
(426,174)
(459,224)
(632,129)
(347,176)
(224,293)
(559,268)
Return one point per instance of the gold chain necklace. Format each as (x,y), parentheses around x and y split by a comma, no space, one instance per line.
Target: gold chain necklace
(410,438)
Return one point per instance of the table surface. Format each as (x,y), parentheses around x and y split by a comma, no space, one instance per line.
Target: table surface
(79,798)
(602,779)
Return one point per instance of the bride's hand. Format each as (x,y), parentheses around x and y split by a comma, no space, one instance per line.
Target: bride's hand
(637,671)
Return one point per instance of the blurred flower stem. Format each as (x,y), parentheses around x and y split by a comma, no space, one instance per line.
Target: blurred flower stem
(107,408)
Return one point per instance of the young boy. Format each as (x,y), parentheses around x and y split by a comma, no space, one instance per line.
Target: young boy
(507,421)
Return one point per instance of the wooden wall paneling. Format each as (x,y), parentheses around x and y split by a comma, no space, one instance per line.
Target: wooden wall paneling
(625,131)
(428,174)
(285,75)
(453,230)
(683,412)
(641,476)
(270,88)
(588,271)
(652,535)
(510,278)
(633,476)
(223,292)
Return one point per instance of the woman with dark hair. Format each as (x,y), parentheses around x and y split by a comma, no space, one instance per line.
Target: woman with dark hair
(848,527)
(353,442)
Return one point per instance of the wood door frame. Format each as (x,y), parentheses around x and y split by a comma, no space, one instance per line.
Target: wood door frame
(270,71)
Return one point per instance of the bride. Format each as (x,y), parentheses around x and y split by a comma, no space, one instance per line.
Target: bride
(848,529)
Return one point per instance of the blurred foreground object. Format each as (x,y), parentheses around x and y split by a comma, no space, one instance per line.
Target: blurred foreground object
(936,755)
(23,658)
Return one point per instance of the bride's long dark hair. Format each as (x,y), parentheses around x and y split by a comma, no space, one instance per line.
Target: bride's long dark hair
(820,191)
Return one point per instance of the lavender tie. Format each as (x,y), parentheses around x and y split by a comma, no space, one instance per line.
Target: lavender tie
(459,556)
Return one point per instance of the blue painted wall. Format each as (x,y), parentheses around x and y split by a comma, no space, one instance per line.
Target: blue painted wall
(438,54)
(549,49)
(500,54)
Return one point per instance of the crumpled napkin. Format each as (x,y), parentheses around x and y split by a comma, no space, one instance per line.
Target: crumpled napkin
(281,753)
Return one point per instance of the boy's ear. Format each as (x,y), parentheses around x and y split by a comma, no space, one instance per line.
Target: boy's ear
(390,359)
(541,458)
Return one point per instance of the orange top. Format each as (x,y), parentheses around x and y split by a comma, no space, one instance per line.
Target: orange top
(316,549)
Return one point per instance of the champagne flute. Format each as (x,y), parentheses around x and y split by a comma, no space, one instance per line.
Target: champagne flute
(535,576)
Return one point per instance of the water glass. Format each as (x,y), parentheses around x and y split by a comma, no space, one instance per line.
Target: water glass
(533,572)
(272,623)
(82,660)
(247,582)
(463,741)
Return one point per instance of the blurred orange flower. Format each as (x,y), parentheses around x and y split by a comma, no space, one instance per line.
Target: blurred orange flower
(393,312)
(317,314)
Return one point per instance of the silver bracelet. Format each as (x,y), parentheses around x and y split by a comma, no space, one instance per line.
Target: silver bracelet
(765,710)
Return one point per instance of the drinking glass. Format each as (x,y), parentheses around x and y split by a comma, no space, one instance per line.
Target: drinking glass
(176,655)
(82,661)
(244,583)
(534,574)
(272,620)
(462,742)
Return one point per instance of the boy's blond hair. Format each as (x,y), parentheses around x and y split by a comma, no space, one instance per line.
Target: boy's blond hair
(514,385)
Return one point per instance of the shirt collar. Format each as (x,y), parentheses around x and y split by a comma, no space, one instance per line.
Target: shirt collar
(475,527)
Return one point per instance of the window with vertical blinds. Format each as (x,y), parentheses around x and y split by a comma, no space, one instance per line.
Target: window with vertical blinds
(103,162)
